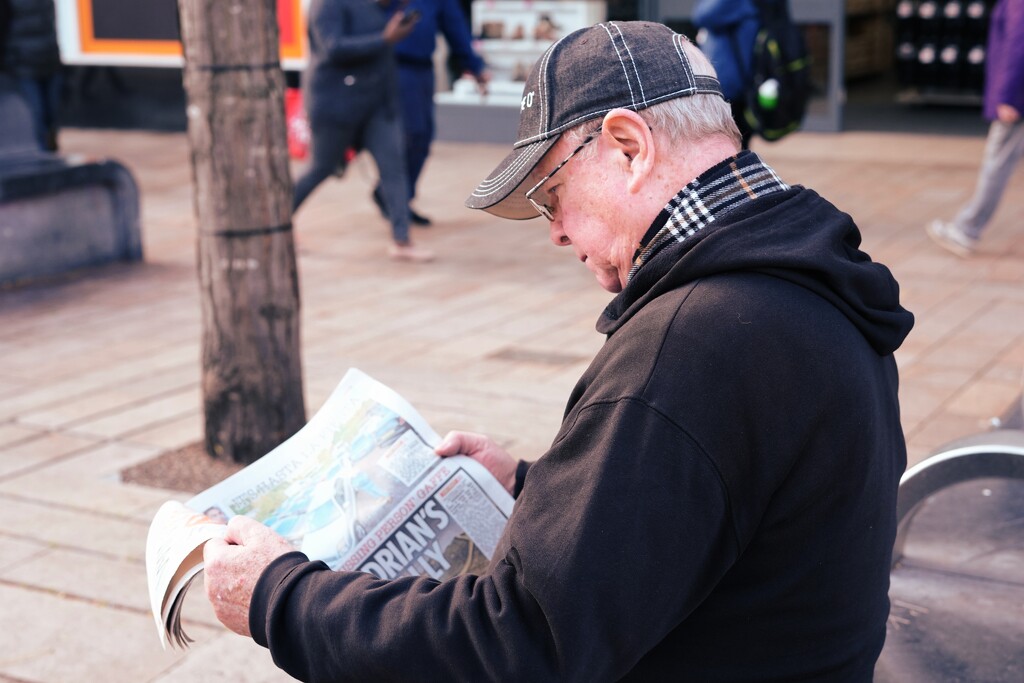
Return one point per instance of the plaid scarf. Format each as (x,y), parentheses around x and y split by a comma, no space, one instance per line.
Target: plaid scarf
(722,188)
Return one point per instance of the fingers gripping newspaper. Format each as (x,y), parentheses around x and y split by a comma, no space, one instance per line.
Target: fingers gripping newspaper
(358,487)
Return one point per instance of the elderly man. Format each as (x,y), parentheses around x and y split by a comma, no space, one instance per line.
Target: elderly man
(719,502)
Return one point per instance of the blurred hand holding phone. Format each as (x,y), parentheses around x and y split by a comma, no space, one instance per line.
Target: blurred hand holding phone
(400,25)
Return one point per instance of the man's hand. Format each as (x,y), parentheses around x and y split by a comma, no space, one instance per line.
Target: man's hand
(399,26)
(482,79)
(234,564)
(1007,113)
(489,454)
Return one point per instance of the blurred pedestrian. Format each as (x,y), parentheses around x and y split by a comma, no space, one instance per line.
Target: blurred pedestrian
(727,32)
(351,95)
(29,53)
(1004,102)
(415,56)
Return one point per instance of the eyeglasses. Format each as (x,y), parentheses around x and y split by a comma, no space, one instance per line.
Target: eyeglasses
(543,207)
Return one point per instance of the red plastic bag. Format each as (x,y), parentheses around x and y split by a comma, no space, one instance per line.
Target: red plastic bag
(297,123)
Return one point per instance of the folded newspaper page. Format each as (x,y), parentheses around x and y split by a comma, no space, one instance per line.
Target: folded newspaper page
(358,487)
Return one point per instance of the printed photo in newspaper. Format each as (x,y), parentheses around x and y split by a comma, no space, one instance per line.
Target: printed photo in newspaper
(358,487)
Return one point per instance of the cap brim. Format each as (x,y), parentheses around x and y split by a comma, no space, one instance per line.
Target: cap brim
(501,193)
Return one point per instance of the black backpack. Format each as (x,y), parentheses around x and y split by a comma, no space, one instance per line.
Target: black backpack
(780,78)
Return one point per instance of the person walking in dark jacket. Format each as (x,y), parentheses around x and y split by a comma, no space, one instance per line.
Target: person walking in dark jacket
(29,53)
(719,503)
(1004,104)
(351,94)
(415,55)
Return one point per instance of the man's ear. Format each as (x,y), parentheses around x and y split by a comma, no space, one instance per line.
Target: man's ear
(629,135)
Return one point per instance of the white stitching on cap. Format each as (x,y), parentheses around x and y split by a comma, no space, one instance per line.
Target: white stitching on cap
(601,112)
(694,85)
(677,40)
(678,46)
(632,97)
(543,82)
(542,87)
(506,173)
(636,71)
(502,178)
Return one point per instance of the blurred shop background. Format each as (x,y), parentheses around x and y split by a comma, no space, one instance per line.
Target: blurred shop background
(881,65)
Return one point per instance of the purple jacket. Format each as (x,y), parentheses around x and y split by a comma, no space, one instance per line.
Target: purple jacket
(1004,69)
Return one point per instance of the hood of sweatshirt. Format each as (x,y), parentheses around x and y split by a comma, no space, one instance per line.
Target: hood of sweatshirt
(795,235)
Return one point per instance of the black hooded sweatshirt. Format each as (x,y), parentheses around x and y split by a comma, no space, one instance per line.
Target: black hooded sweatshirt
(718,504)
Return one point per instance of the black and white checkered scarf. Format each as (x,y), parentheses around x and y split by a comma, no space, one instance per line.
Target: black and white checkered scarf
(722,188)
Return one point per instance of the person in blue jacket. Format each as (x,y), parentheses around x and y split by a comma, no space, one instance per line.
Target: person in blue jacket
(351,94)
(727,32)
(416,81)
(1004,103)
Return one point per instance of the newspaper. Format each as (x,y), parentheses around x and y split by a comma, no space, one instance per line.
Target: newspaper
(358,487)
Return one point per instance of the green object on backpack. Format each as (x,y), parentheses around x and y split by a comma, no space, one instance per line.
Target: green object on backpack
(780,79)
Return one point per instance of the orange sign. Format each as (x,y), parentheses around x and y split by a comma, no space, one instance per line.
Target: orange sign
(129,27)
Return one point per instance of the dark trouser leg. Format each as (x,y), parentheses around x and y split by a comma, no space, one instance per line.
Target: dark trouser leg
(383,140)
(417,84)
(328,143)
(36,93)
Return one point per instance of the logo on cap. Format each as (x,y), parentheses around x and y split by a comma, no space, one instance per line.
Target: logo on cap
(527,101)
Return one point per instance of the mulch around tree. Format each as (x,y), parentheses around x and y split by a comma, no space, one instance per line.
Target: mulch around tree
(188,469)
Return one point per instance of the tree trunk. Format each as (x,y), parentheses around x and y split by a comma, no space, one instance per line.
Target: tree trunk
(252,369)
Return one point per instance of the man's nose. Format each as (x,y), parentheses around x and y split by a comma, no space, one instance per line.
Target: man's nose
(558,236)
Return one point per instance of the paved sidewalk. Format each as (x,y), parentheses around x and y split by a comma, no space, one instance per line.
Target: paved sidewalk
(101,371)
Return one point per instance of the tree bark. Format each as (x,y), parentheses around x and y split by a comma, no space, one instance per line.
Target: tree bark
(252,370)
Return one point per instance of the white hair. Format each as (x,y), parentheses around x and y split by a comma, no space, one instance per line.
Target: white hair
(683,119)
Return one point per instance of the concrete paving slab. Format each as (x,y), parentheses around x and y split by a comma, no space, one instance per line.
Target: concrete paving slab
(226,657)
(143,414)
(89,480)
(14,551)
(42,394)
(174,434)
(73,527)
(37,452)
(84,576)
(12,434)
(80,408)
(76,640)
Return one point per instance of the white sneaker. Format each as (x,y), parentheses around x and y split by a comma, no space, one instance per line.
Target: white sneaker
(410,253)
(951,238)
